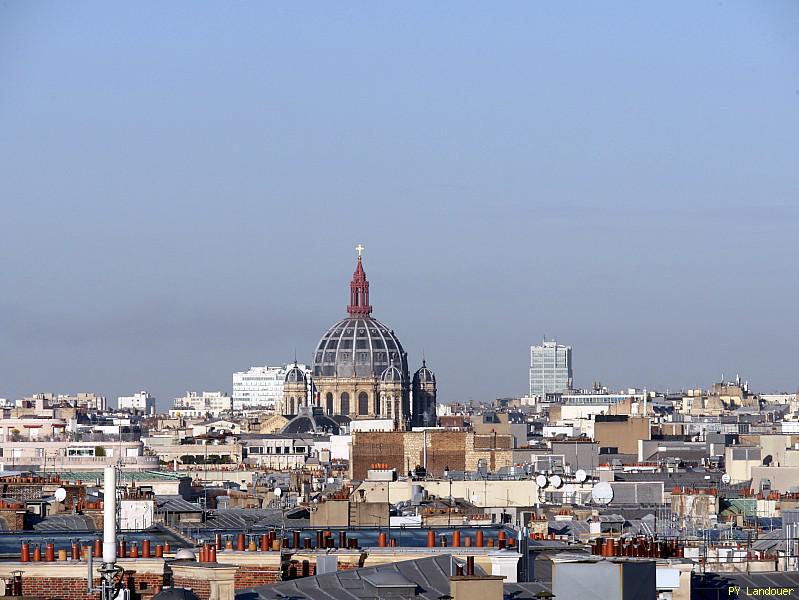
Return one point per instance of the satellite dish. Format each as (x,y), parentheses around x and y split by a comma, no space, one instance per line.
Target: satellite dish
(277,492)
(725,479)
(60,494)
(602,493)
(569,489)
(580,476)
(541,480)
(556,481)
(474,498)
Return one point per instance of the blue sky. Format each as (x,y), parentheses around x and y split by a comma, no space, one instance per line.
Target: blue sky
(183,185)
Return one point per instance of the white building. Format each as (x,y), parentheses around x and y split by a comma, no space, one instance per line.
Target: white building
(140,402)
(194,405)
(260,388)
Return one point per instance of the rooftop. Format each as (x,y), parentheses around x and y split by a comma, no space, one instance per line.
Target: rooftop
(125,476)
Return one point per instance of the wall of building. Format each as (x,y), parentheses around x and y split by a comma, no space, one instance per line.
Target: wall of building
(783,479)
(437,449)
(622,433)
(740,469)
(481,493)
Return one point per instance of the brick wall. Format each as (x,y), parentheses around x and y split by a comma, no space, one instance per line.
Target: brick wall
(489,441)
(13,519)
(446,449)
(253,576)
(458,450)
(57,588)
(201,588)
(142,586)
(372,447)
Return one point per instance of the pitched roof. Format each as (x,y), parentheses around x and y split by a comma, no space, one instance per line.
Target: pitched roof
(175,504)
(712,586)
(68,522)
(430,576)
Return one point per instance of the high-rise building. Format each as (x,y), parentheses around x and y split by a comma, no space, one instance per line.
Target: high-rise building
(261,388)
(550,368)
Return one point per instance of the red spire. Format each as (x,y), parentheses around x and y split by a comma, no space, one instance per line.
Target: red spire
(359,290)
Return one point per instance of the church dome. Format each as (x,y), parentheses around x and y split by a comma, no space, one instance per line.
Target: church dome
(359,345)
(295,375)
(391,375)
(311,421)
(424,375)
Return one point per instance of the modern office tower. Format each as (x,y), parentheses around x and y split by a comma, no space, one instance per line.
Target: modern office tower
(261,388)
(550,368)
(140,402)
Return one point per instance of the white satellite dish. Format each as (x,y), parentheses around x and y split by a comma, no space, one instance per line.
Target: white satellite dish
(556,481)
(725,479)
(569,489)
(60,494)
(602,493)
(580,476)
(277,492)
(541,480)
(474,498)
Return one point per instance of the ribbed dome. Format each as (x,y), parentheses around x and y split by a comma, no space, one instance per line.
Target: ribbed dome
(295,375)
(424,375)
(311,421)
(391,375)
(358,347)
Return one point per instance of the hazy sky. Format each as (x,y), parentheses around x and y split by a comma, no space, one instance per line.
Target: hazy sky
(182,185)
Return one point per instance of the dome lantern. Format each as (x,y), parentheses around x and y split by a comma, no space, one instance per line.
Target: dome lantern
(359,290)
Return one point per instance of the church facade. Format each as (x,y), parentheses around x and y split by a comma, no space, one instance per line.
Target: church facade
(360,369)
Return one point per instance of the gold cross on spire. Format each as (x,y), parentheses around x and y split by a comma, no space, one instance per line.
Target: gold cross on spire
(359,249)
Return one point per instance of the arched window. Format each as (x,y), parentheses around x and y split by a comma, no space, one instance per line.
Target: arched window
(377,404)
(291,406)
(363,403)
(345,403)
(329,402)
